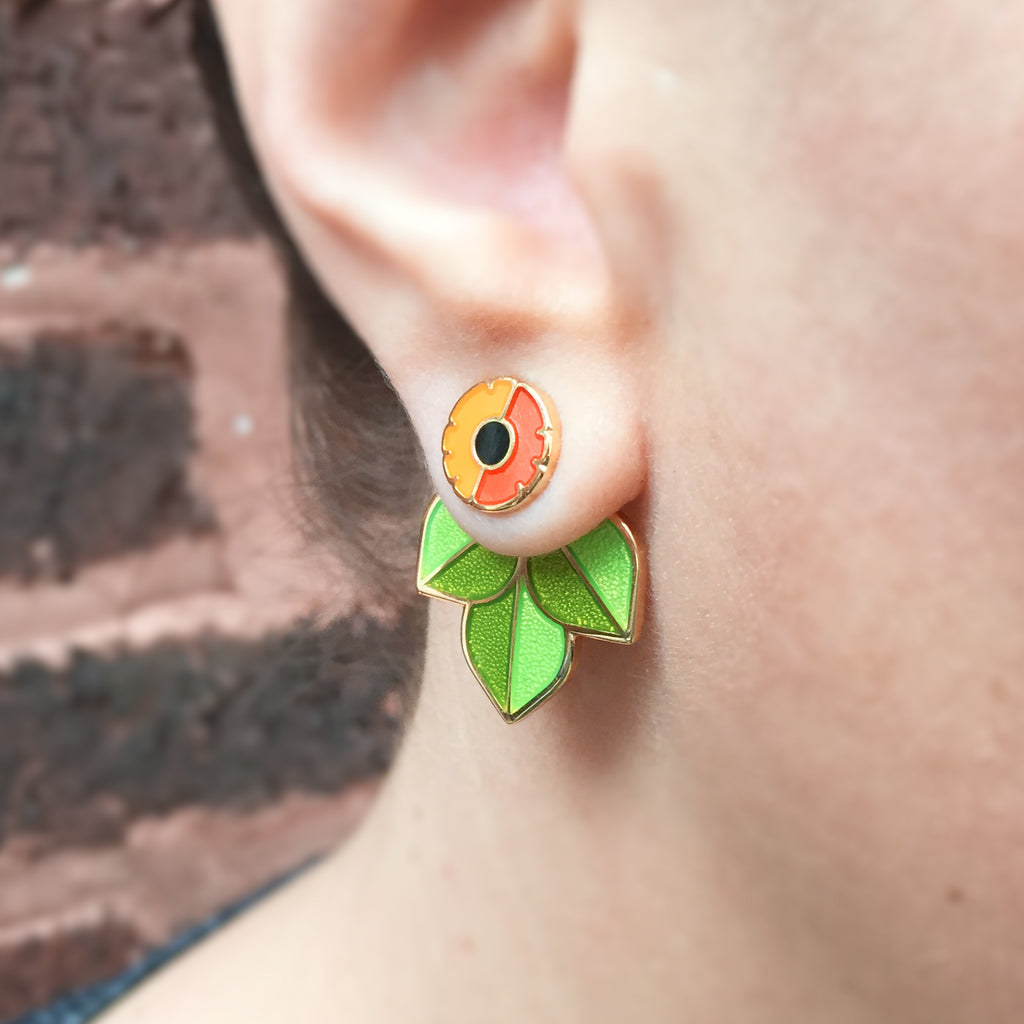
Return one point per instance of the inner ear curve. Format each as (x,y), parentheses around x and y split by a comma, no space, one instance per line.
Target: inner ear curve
(478,110)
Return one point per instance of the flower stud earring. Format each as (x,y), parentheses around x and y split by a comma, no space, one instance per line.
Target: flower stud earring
(522,615)
(501,445)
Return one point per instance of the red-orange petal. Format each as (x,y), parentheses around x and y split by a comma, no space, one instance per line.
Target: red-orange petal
(498,486)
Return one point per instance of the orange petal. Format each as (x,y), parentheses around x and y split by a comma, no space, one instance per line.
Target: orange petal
(484,402)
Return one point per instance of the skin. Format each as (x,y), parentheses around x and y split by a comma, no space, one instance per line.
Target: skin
(768,260)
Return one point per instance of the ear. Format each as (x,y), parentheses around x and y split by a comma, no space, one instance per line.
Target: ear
(422,153)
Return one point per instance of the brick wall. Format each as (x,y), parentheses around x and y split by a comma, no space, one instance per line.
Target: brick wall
(105,135)
(193,698)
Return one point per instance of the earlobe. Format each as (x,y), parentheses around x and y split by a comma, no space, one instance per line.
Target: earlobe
(420,162)
(577,457)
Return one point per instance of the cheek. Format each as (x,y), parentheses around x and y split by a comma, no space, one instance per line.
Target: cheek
(858,732)
(903,128)
(861,740)
(880,835)
(881,412)
(898,473)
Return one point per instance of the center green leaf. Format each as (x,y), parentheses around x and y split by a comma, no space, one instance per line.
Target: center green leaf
(517,652)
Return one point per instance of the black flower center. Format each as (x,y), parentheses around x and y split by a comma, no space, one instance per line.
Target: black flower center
(492,443)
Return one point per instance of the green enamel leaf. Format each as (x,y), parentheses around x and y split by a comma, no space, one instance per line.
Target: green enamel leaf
(442,539)
(589,584)
(541,654)
(475,575)
(562,593)
(452,564)
(516,651)
(488,635)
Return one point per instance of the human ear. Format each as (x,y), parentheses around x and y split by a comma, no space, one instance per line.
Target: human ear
(423,155)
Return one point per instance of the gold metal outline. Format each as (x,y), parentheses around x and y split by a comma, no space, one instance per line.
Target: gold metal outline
(544,466)
(521,574)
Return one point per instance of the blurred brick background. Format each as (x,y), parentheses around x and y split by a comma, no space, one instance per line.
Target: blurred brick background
(193,698)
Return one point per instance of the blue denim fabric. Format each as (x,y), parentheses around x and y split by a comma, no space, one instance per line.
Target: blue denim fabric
(88,1003)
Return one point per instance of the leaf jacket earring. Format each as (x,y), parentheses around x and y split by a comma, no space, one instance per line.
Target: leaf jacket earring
(521,615)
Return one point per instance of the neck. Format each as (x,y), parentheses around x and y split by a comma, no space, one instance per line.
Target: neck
(581,865)
(558,868)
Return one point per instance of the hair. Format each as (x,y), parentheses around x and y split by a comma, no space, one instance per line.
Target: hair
(360,475)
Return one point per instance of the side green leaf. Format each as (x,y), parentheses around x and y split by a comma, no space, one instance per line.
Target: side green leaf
(590,585)
(452,565)
(517,652)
